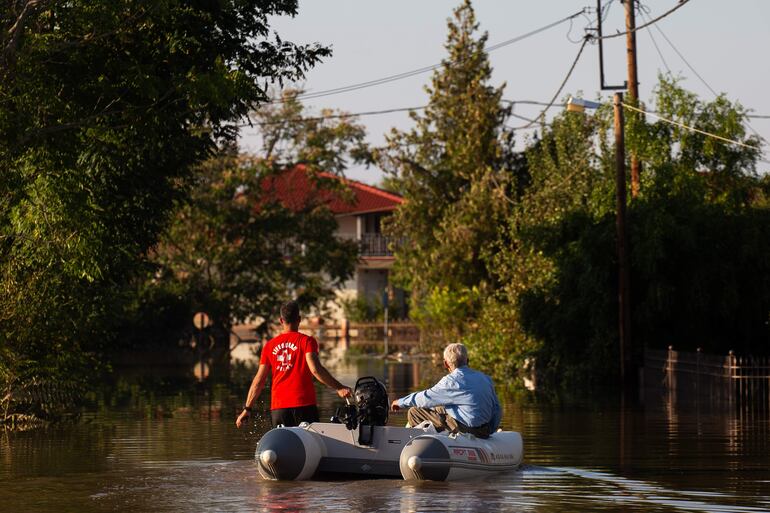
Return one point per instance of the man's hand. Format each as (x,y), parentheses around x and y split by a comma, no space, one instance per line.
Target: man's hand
(344,392)
(395,406)
(242,418)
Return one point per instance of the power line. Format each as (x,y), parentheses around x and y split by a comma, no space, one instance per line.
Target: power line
(422,107)
(532,33)
(652,22)
(687,63)
(531,102)
(332,116)
(654,42)
(425,69)
(693,129)
(605,11)
(528,125)
(558,92)
(523,118)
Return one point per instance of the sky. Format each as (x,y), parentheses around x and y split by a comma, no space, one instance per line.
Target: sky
(714,45)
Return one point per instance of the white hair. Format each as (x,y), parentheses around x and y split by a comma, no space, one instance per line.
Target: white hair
(456,355)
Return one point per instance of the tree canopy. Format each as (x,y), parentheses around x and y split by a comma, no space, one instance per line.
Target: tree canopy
(697,234)
(248,238)
(105,107)
(515,253)
(453,171)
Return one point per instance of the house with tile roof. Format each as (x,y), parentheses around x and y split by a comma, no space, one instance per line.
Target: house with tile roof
(359,211)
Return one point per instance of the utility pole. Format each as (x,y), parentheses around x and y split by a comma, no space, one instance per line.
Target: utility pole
(624,296)
(600,44)
(624,305)
(633,84)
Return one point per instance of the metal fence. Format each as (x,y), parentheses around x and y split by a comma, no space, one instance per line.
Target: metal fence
(402,336)
(375,244)
(740,380)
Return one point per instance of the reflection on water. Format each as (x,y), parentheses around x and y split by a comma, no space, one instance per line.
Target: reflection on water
(183,453)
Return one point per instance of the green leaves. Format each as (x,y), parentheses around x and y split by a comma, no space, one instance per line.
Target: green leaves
(257,229)
(105,109)
(696,233)
(451,170)
(515,254)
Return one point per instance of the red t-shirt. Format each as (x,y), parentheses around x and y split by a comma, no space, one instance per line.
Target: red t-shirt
(292,380)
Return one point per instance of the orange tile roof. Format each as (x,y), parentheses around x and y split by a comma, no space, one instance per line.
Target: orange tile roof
(294,189)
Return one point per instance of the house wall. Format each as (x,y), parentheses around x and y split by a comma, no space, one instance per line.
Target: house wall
(346,227)
(370,277)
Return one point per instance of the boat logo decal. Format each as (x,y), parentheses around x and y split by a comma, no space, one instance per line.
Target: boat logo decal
(466,453)
(477,455)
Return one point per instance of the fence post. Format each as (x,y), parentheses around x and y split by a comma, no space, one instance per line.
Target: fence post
(730,376)
(697,372)
(385,315)
(345,334)
(670,369)
(767,382)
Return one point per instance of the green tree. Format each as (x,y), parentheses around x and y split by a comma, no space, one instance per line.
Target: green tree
(252,235)
(452,170)
(105,107)
(698,231)
(565,175)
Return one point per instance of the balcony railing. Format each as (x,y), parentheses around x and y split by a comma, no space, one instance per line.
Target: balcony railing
(375,244)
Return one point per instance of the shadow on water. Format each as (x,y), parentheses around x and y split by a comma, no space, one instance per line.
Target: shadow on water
(175,448)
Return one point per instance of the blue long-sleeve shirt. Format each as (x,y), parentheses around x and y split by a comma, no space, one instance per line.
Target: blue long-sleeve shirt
(467,395)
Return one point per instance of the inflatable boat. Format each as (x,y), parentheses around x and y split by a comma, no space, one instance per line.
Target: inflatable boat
(358,444)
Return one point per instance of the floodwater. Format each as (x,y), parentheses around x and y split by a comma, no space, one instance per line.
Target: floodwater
(181,453)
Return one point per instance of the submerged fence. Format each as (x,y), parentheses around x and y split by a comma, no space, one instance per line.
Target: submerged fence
(401,336)
(740,380)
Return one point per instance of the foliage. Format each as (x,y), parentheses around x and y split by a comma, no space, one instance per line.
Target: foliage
(358,309)
(702,276)
(453,171)
(566,176)
(446,315)
(239,247)
(698,236)
(365,309)
(104,109)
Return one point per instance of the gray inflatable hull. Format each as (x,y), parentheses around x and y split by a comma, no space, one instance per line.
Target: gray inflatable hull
(326,449)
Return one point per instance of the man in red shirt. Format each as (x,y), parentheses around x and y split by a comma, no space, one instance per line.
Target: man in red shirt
(292,359)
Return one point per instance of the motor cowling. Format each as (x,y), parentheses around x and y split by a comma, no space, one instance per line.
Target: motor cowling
(372,398)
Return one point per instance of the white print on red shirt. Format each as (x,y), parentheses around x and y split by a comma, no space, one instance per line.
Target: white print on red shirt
(285,357)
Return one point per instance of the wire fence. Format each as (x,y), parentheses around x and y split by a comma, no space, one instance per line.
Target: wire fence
(401,336)
(740,381)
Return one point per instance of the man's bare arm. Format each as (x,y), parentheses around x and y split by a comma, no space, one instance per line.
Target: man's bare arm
(257,385)
(324,376)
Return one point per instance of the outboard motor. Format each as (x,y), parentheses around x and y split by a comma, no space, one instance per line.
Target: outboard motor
(371,409)
(372,399)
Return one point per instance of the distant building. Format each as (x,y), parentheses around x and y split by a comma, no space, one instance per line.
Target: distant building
(359,216)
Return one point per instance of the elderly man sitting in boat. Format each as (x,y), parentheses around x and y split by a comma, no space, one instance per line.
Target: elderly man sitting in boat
(462,401)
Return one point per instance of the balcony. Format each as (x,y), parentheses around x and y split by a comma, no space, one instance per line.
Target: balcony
(375,245)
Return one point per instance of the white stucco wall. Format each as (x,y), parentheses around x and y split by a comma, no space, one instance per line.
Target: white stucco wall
(346,227)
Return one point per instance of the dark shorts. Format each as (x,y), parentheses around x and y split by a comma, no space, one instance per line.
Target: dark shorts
(294,416)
